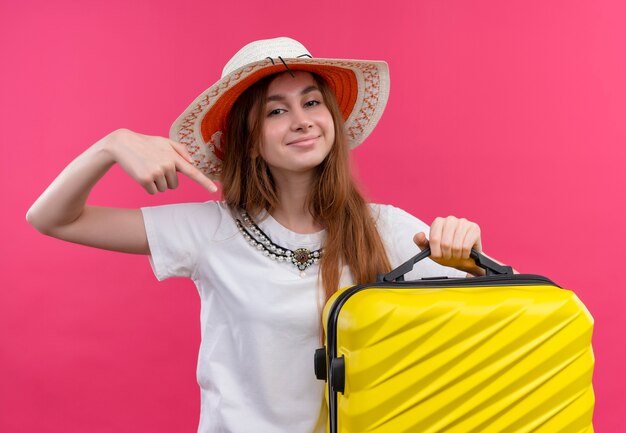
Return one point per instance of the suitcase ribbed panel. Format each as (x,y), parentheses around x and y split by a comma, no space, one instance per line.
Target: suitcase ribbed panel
(479,359)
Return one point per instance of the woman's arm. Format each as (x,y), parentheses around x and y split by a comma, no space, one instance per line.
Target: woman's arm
(153,162)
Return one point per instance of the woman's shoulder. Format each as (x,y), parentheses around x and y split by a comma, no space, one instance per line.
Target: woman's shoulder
(204,220)
(211,210)
(207,206)
(385,210)
(391,215)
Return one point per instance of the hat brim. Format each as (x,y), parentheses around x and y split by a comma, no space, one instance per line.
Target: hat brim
(360,87)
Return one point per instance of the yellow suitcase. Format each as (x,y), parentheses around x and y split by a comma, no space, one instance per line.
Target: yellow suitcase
(493,354)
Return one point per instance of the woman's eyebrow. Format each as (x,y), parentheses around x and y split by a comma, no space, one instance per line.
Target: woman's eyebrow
(306,90)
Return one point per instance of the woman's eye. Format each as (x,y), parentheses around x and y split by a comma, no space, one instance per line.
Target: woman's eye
(275,112)
(311,103)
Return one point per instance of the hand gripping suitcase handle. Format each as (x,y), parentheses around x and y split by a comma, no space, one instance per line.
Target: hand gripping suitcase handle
(491,267)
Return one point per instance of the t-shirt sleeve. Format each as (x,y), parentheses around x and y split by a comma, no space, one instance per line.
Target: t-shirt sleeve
(397,228)
(175,233)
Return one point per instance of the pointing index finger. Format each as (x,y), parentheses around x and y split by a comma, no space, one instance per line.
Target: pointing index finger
(196,175)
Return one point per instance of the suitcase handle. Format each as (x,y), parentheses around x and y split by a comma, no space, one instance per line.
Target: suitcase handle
(491,267)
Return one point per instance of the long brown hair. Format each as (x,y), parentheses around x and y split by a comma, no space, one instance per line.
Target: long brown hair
(334,200)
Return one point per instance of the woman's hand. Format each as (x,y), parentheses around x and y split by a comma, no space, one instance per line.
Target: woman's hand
(153,162)
(451,240)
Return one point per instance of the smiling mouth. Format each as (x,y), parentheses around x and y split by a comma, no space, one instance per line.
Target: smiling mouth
(304,140)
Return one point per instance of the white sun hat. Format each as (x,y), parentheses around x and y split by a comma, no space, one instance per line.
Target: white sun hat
(360,86)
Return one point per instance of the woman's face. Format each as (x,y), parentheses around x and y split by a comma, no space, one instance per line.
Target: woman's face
(298,130)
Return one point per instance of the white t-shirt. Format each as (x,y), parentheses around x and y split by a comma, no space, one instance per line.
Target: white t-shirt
(259,317)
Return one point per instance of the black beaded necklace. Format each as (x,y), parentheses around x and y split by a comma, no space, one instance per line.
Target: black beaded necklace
(301,258)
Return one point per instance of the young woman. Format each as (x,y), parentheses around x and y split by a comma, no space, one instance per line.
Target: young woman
(276,130)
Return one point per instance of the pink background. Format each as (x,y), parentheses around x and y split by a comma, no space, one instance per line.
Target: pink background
(511,114)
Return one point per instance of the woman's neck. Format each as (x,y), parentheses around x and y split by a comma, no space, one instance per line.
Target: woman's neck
(292,211)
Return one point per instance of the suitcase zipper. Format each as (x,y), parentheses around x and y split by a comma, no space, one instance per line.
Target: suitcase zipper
(501,280)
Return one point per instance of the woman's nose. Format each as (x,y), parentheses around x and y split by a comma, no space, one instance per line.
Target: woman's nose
(301,120)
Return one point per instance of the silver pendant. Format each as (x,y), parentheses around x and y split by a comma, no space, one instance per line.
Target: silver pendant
(300,257)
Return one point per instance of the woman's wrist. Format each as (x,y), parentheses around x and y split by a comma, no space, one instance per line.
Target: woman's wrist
(108,145)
